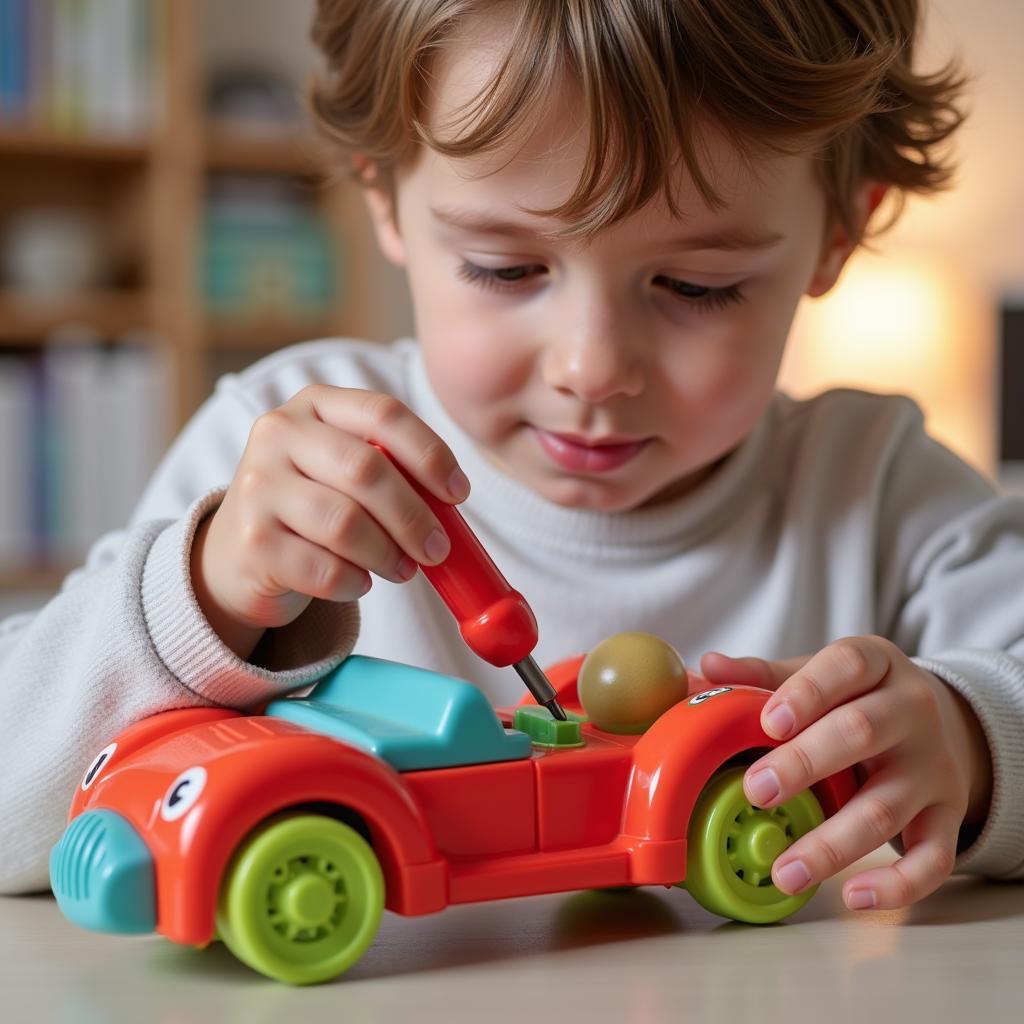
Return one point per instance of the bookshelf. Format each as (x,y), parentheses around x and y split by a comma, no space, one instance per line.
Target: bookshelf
(111,311)
(150,188)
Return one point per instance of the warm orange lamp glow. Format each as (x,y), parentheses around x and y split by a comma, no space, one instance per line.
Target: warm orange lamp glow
(908,324)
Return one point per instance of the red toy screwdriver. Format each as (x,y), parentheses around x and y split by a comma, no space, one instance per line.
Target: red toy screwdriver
(495,620)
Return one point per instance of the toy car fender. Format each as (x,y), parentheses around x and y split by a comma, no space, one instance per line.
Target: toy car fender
(261,766)
(676,757)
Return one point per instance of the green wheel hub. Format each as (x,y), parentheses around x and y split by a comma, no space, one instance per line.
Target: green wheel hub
(301,899)
(732,845)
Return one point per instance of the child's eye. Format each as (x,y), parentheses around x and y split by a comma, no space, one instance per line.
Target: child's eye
(702,296)
(507,279)
(501,279)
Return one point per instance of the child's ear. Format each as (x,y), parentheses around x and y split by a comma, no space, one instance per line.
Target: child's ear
(838,247)
(380,202)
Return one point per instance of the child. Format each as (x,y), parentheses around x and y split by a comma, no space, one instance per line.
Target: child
(608,214)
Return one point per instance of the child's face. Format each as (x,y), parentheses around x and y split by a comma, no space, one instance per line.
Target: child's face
(655,332)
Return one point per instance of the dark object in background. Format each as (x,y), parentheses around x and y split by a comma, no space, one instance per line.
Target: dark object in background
(1011,419)
(253,99)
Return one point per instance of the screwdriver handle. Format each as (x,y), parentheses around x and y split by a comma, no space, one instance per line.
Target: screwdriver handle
(495,621)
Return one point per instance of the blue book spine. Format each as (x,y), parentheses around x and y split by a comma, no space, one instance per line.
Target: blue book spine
(13,43)
(6,57)
(19,37)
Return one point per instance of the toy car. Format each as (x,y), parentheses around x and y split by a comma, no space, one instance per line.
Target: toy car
(286,833)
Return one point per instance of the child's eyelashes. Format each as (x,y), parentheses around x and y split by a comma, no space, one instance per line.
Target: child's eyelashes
(501,279)
(510,279)
(703,296)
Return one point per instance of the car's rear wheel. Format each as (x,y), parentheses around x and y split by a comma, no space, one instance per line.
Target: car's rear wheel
(731,846)
(301,899)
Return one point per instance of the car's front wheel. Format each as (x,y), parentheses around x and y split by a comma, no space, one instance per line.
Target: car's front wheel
(732,845)
(301,898)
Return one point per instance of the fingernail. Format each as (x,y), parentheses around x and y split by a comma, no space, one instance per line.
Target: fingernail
(458,485)
(763,786)
(437,546)
(780,721)
(861,899)
(366,586)
(792,877)
(407,568)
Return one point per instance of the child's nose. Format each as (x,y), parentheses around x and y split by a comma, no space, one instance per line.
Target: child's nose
(596,359)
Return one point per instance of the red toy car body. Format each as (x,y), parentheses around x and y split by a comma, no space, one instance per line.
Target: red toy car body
(194,784)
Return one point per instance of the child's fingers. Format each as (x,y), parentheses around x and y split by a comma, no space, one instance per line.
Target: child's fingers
(296,564)
(721,669)
(927,863)
(335,522)
(372,416)
(872,817)
(352,467)
(837,673)
(846,736)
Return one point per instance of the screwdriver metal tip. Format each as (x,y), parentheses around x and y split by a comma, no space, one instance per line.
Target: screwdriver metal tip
(556,709)
(540,686)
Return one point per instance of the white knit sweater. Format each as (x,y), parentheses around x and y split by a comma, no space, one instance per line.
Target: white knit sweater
(837,516)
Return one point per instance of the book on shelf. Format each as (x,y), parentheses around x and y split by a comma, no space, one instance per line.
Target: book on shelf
(16,498)
(265,251)
(77,66)
(82,426)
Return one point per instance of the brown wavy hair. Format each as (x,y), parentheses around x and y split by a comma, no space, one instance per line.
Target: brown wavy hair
(830,77)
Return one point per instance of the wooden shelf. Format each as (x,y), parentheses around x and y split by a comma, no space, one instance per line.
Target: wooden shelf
(28,319)
(39,144)
(297,153)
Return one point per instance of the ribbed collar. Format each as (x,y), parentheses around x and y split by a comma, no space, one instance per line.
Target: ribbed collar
(512,509)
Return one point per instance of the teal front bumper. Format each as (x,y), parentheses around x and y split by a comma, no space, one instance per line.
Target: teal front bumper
(102,875)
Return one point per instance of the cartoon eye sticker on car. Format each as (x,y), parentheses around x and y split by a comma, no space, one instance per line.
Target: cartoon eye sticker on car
(708,694)
(183,793)
(98,764)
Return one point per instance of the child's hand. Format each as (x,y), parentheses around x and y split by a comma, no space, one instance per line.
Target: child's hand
(314,508)
(918,747)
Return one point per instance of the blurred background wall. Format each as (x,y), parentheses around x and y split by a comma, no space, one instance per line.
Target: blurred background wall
(925,314)
(141,246)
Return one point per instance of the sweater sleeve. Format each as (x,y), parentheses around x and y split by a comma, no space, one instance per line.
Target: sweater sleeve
(125,638)
(951,561)
(993,684)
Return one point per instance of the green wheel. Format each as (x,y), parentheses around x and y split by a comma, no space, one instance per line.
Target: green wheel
(301,899)
(732,845)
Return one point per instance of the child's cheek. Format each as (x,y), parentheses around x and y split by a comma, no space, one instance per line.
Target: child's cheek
(479,380)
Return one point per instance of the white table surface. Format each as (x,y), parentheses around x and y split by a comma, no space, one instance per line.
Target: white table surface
(643,957)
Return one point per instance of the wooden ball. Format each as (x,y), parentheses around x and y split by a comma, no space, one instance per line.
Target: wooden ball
(629,680)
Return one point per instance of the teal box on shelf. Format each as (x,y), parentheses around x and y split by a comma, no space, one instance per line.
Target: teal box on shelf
(286,267)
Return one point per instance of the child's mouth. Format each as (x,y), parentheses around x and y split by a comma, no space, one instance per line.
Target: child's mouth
(578,457)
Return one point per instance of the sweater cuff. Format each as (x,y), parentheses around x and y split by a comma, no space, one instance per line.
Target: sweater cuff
(285,659)
(993,684)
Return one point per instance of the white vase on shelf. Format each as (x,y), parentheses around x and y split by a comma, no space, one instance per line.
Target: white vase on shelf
(52,252)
